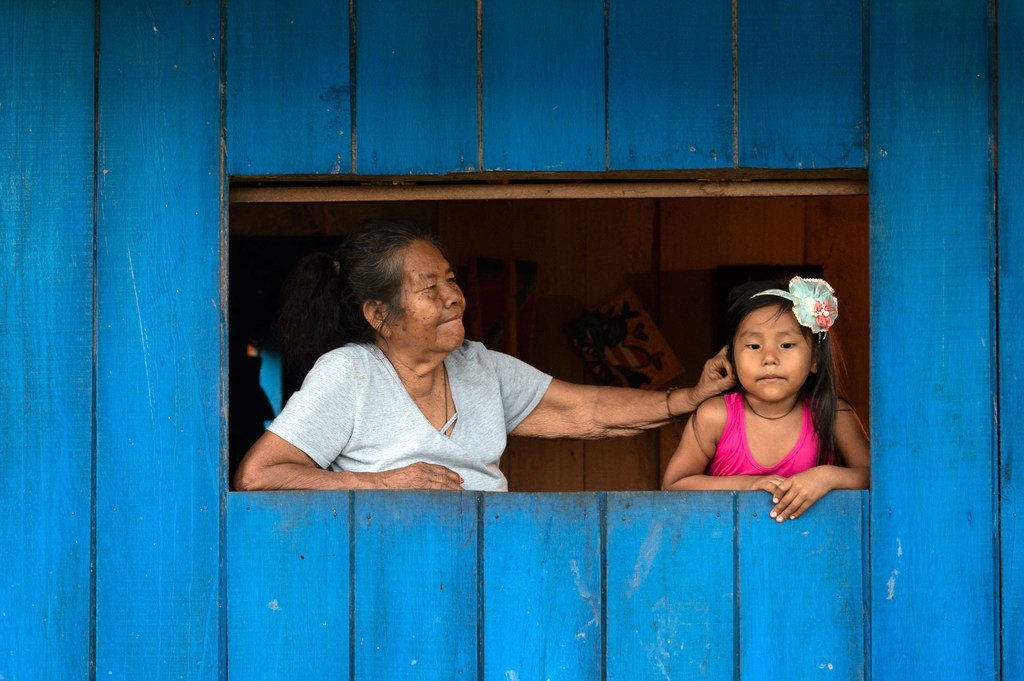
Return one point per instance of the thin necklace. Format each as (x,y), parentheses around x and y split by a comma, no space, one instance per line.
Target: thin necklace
(445,372)
(770,418)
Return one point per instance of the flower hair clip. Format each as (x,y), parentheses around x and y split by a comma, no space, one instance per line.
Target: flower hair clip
(814,302)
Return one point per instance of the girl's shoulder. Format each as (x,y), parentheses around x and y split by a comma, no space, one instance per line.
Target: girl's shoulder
(713,413)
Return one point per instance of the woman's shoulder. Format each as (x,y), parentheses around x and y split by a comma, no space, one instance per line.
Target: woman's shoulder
(347,357)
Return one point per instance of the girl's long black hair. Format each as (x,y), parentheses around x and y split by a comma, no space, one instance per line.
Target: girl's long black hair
(821,389)
(322,301)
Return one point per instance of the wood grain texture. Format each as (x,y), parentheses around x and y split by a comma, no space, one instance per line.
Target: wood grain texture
(46,368)
(1011,363)
(416,601)
(619,249)
(670,84)
(288,90)
(670,586)
(159,469)
(543,85)
(542,600)
(544,232)
(837,239)
(416,87)
(801,589)
(288,585)
(931,184)
(801,84)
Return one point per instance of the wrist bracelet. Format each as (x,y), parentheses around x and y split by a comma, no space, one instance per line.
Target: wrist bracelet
(668,394)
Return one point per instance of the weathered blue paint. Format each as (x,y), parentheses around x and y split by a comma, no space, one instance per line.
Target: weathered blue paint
(543,85)
(279,546)
(416,87)
(1011,334)
(542,601)
(670,84)
(159,474)
(934,586)
(46,368)
(415,583)
(654,585)
(288,93)
(801,591)
(671,586)
(801,84)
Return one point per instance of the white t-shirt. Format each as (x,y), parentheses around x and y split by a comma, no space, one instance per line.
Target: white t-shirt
(353,413)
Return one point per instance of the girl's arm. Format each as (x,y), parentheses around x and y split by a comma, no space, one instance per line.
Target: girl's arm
(591,412)
(799,492)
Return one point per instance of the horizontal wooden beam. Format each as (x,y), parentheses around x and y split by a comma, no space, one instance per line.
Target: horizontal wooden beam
(544,190)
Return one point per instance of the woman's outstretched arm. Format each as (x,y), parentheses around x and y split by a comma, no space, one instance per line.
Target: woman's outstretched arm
(275,463)
(568,410)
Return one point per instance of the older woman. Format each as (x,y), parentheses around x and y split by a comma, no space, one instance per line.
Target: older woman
(403,401)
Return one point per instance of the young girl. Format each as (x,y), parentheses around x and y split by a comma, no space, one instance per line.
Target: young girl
(784,430)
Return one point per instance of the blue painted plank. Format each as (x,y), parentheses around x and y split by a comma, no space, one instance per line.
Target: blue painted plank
(543,85)
(670,84)
(288,585)
(416,87)
(801,589)
(1011,333)
(416,585)
(46,301)
(671,604)
(159,469)
(932,372)
(542,602)
(801,84)
(288,87)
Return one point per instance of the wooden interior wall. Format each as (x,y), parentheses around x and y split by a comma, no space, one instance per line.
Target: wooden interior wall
(46,367)
(934,494)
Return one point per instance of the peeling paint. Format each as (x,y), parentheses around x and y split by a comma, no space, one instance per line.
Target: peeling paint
(891,585)
(648,552)
(273,605)
(899,548)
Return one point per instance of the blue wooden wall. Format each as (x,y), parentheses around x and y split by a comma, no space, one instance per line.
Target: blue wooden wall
(119,124)
(46,367)
(572,586)
(575,85)
(933,381)
(159,472)
(1010,136)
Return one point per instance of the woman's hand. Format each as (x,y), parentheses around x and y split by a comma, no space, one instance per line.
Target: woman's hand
(716,378)
(419,475)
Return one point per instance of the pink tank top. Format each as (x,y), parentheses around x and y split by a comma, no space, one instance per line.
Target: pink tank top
(733,456)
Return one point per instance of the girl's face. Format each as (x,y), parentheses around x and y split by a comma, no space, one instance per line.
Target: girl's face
(772,355)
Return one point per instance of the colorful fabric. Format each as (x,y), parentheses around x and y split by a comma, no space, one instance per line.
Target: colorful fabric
(733,455)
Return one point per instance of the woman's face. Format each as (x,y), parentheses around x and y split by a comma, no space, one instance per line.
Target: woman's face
(772,355)
(433,304)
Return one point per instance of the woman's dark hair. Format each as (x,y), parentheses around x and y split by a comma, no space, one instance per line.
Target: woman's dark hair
(322,300)
(821,389)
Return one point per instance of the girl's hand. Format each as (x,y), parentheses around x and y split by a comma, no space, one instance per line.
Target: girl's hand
(767,483)
(795,495)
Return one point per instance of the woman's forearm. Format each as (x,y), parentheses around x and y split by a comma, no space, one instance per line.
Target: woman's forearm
(298,476)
